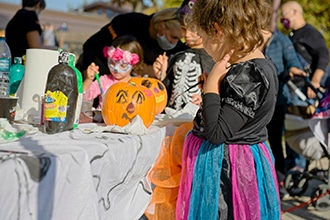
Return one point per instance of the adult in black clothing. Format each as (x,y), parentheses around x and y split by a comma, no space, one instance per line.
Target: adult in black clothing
(308,42)
(23,31)
(156,33)
(314,56)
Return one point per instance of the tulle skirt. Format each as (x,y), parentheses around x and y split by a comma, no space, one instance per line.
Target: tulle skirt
(227,182)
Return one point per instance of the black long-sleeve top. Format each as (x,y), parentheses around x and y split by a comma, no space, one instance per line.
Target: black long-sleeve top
(310,44)
(243,109)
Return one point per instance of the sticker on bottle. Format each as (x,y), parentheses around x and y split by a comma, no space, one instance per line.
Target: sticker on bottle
(55,106)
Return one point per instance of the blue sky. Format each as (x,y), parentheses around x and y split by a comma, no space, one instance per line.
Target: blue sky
(56,5)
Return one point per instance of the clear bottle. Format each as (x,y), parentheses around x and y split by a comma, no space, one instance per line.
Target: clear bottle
(16,75)
(5,63)
(61,94)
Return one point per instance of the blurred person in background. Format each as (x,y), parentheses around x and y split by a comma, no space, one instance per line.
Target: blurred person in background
(48,35)
(279,48)
(156,34)
(313,55)
(24,31)
(309,44)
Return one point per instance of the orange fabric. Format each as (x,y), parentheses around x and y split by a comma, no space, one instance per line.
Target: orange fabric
(166,174)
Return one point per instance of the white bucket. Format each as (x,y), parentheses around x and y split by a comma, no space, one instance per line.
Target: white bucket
(32,88)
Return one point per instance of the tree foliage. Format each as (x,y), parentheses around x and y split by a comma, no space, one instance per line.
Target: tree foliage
(138,5)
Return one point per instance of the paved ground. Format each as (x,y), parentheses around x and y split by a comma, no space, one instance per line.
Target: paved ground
(307,212)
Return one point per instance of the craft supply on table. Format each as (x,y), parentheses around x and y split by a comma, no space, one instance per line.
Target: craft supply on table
(60,100)
(38,62)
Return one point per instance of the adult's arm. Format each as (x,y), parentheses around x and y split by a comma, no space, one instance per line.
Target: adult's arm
(34,41)
(319,50)
(320,54)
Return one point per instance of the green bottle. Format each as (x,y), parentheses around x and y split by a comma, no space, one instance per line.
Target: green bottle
(16,75)
(80,89)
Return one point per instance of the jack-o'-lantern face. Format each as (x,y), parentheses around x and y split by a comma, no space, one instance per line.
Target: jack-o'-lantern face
(123,101)
(157,88)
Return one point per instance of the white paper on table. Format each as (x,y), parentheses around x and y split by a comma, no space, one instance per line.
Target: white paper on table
(175,117)
(135,127)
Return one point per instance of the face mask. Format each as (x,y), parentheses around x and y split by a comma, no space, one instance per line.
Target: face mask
(285,22)
(164,43)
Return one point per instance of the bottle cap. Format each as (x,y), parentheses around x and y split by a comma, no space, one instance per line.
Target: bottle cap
(63,57)
(18,60)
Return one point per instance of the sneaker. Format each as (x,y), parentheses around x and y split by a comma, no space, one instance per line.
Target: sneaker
(283,192)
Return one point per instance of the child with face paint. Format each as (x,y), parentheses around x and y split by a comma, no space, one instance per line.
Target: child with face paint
(124,57)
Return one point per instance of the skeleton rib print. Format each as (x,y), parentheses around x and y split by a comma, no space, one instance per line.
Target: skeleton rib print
(186,73)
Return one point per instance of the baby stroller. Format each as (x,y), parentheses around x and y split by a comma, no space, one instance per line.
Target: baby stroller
(310,137)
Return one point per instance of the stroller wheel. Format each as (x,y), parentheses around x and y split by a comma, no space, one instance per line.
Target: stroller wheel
(323,203)
(296,183)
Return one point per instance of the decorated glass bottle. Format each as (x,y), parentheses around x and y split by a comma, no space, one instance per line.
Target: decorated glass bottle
(60,99)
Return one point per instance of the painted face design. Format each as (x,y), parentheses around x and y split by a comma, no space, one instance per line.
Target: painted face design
(119,66)
(132,102)
(120,61)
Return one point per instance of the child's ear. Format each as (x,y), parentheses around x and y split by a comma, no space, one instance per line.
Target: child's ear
(217,29)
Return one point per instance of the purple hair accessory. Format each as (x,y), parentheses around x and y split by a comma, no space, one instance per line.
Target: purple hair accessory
(187,6)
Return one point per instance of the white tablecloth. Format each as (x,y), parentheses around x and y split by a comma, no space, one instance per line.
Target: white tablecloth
(73,175)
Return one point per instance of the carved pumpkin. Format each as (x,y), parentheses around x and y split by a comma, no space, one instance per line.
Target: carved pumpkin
(123,101)
(157,88)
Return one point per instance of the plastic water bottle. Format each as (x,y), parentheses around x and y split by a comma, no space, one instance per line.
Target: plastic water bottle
(15,75)
(5,63)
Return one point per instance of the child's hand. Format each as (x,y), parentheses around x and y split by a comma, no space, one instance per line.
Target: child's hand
(160,66)
(294,71)
(217,74)
(196,99)
(91,71)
